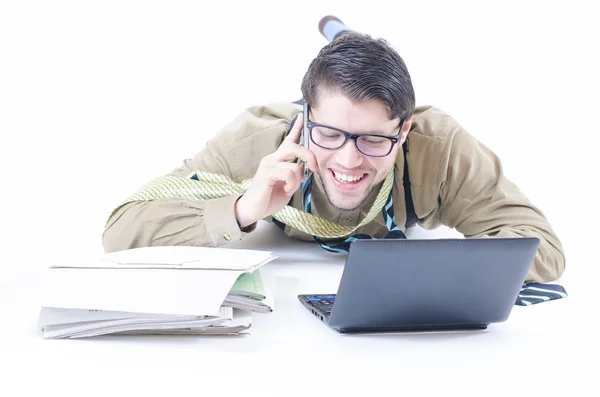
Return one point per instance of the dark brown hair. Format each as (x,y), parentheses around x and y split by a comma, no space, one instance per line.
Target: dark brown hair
(361,68)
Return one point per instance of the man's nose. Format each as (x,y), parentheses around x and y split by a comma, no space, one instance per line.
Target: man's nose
(348,155)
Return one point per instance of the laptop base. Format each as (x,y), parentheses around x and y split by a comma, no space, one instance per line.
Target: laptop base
(314,303)
(420,328)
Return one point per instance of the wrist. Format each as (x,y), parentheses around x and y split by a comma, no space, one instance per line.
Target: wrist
(243,221)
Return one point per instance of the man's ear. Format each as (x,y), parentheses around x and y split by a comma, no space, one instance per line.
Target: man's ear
(405,130)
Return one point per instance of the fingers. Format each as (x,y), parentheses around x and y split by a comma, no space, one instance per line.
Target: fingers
(290,152)
(290,149)
(294,135)
(289,173)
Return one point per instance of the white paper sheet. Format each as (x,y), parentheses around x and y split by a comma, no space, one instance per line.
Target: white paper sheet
(191,292)
(242,320)
(183,257)
(95,328)
(59,315)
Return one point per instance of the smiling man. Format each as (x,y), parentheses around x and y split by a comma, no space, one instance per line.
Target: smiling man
(378,166)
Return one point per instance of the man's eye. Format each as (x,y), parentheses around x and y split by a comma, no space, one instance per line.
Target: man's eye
(328,134)
(375,141)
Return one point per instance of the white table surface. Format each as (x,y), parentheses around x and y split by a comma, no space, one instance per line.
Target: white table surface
(551,347)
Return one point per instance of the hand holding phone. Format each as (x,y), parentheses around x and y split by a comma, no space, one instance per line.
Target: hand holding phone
(278,177)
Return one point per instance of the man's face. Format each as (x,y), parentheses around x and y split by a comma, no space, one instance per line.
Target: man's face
(348,175)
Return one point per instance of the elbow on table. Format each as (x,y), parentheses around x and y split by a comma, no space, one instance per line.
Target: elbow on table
(547,269)
(113,241)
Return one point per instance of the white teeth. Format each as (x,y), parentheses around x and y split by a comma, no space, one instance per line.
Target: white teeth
(347,178)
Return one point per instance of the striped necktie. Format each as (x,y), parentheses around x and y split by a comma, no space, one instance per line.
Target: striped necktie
(202,185)
(534,293)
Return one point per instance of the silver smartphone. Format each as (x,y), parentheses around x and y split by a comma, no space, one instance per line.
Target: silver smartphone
(305,136)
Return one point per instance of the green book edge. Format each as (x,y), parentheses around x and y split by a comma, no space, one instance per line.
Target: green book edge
(249,285)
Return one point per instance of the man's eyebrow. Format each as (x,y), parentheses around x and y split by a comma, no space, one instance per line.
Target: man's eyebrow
(366,132)
(384,133)
(379,132)
(393,133)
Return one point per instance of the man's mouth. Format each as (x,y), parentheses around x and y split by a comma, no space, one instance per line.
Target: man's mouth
(347,178)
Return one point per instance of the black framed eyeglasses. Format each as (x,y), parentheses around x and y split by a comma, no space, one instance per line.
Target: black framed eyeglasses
(372,145)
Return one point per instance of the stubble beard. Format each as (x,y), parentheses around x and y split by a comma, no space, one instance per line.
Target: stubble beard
(328,194)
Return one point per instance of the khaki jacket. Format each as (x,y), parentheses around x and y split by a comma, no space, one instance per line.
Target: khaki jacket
(455,181)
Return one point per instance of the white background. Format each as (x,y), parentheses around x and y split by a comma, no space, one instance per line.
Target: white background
(98,97)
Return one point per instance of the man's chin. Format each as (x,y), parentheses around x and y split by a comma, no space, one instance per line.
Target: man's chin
(346,207)
(345,203)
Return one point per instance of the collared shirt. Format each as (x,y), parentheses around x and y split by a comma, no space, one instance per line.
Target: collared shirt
(455,180)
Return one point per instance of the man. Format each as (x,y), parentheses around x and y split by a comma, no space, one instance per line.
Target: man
(377,163)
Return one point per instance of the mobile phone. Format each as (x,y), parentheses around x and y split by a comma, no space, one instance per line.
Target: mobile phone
(305,135)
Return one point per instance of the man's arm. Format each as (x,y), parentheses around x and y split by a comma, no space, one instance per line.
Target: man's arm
(176,221)
(236,152)
(478,200)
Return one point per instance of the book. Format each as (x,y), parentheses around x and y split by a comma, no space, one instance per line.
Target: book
(181,290)
(248,293)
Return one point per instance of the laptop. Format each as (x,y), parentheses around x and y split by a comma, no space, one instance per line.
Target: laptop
(395,285)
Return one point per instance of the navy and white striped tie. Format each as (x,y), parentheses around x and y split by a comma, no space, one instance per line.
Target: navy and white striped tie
(537,293)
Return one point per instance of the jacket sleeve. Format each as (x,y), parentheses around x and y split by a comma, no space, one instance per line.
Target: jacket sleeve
(175,221)
(236,152)
(479,201)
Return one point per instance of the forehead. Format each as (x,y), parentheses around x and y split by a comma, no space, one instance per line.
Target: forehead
(336,110)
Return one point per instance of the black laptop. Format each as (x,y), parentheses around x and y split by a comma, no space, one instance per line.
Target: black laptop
(391,285)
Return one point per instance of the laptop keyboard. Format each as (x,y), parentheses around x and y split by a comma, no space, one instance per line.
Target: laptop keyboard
(323,303)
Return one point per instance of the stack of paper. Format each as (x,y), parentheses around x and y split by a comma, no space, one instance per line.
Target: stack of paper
(80,323)
(156,290)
